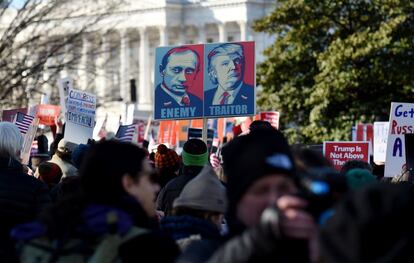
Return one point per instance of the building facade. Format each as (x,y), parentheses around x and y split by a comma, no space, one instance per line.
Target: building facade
(123,76)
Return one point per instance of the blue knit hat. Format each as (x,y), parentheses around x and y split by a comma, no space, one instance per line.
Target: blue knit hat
(78,154)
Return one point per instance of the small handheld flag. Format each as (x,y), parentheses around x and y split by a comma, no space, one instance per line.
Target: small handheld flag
(126,133)
(23,122)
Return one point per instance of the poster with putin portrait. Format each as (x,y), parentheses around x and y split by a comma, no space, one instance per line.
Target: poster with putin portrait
(229,79)
(179,82)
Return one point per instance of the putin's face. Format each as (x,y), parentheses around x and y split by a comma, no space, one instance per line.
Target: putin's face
(180,72)
(228,70)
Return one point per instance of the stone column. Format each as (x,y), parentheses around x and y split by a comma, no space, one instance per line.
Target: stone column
(201,33)
(163,35)
(243,30)
(83,65)
(103,58)
(124,67)
(144,90)
(222,32)
(181,35)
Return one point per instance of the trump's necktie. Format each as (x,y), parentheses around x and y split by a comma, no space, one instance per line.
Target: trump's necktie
(224,98)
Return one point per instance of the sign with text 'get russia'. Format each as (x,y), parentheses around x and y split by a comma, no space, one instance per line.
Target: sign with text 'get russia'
(401,122)
(341,152)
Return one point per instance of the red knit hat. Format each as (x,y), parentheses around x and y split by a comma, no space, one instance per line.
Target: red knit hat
(166,158)
(50,173)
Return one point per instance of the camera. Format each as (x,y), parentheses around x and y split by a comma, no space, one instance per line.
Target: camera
(321,188)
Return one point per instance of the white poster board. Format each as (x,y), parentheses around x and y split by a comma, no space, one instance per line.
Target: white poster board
(81,111)
(65,85)
(401,122)
(380,141)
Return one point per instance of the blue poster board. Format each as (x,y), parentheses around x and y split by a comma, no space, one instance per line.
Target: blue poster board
(178,82)
(210,81)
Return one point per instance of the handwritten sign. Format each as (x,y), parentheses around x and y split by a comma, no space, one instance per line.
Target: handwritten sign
(81,112)
(401,122)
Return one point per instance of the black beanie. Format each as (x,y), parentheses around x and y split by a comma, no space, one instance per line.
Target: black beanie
(374,224)
(250,157)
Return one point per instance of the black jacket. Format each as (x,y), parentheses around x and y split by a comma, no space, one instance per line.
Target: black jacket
(22,197)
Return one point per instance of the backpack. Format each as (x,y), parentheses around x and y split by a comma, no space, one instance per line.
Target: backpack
(44,250)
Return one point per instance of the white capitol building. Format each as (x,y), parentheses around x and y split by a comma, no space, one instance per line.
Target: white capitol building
(143,25)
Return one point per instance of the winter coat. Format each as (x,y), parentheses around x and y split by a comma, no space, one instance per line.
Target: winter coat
(173,188)
(256,244)
(22,197)
(92,225)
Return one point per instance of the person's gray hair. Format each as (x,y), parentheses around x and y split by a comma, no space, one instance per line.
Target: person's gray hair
(224,49)
(11,140)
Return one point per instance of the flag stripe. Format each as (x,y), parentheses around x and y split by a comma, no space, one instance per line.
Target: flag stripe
(126,132)
(23,122)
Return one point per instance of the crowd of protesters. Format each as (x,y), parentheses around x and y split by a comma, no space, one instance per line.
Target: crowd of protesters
(258,199)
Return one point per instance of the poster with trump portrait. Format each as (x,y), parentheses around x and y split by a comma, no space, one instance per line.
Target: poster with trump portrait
(229,79)
(179,82)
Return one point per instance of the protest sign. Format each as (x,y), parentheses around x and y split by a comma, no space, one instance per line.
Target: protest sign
(81,111)
(211,80)
(340,152)
(380,141)
(141,125)
(9,115)
(401,122)
(229,79)
(167,133)
(270,116)
(47,113)
(28,141)
(65,84)
(179,82)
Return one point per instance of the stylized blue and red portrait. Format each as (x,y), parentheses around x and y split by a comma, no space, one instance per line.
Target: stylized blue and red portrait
(229,81)
(179,82)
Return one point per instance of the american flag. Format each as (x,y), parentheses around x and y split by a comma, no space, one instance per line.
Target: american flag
(126,133)
(23,122)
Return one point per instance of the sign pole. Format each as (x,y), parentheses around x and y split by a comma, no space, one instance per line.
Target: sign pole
(204,131)
(148,127)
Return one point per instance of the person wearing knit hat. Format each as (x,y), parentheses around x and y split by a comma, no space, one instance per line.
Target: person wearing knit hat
(49,173)
(63,158)
(357,178)
(194,156)
(267,222)
(167,163)
(79,153)
(198,210)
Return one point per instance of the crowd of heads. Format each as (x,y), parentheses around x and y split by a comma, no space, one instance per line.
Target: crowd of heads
(258,179)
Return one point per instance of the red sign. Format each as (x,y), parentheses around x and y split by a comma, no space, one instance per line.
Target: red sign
(47,113)
(141,131)
(270,116)
(340,152)
(365,132)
